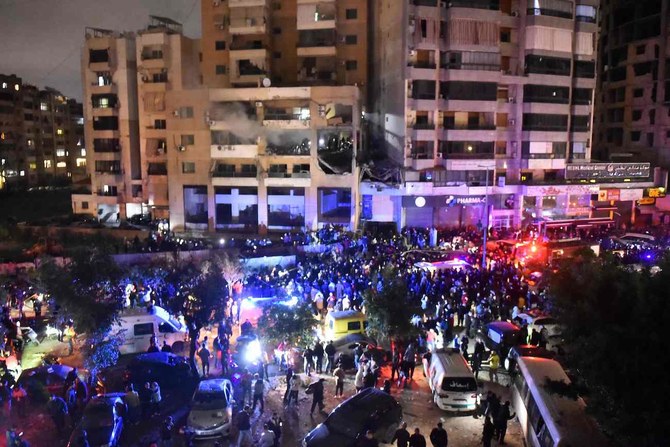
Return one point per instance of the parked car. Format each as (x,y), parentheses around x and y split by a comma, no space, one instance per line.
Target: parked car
(543,323)
(525,351)
(371,409)
(102,420)
(248,351)
(345,351)
(163,367)
(51,378)
(500,336)
(211,409)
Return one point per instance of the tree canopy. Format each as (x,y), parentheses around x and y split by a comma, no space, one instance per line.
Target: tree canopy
(389,311)
(616,343)
(295,324)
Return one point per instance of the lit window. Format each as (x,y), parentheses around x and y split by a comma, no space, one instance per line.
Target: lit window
(83,152)
(61,164)
(81,162)
(4,85)
(47,164)
(59,131)
(30,142)
(60,153)
(32,166)
(16,87)
(22,173)
(44,106)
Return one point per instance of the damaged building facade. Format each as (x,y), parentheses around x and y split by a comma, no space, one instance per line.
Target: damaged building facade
(255,126)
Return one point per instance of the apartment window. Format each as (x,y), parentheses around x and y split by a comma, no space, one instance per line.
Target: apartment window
(44,107)
(185,112)
(220,69)
(160,124)
(276,31)
(157,169)
(505,35)
(106,123)
(59,131)
(468,91)
(635,135)
(585,69)
(545,122)
(547,65)
(652,117)
(640,49)
(637,115)
(84,205)
(98,56)
(47,164)
(638,93)
(60,153)
(187,140)
(188,167)
(220,45)
(351,39)
(276,6)
(351,65)
(352,14)
(546,93)
(650,139)
(582,96)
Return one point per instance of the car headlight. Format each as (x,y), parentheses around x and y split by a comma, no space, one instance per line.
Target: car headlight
(253,351)
(304,443)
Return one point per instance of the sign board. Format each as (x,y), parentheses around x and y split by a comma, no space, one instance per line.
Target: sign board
(655,193)
(605,195)
(445,201)
(611,171)
(646,201)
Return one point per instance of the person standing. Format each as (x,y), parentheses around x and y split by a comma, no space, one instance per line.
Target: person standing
(368,440)
(275,424)
(318,354)
(494,364)
(339,381)
(317,395)
(289,375)
(166,432)
(487,432)
(217,348)
(294,388)
(439,437)
(132,400)
(504,415)
(401,435)
(259,389)
(204,355)
(244,427)
(58,411)
(19,399)
(330,357)
(71,334)
(308,356)
(417,439)
(395,363)
(245,382)
(267,437)
(155,398)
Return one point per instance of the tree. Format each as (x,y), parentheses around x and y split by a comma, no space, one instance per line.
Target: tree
(232,270)
(281,322)
(614,334)
(389,312)
(101,351)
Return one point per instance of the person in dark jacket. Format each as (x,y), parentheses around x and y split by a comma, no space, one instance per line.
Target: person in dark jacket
(439,437)
(417,439)
(318,354)
(401,435)
(368,440)
(330,357)
(487,433)
(317,395)
(504,415)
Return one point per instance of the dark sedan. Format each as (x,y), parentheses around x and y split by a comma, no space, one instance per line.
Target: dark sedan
(51,378)
(525,351)
(101,423)
(165,368)
(371,409)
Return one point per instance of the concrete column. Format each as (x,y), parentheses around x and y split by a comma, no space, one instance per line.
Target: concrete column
(262,209)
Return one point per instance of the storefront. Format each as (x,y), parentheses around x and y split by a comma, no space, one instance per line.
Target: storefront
(450,211)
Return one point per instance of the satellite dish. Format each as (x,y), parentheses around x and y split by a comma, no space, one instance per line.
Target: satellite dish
(267,82)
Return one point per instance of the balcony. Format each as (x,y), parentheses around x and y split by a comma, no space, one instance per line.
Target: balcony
(296,179)
(249,71)
(229,177)
(234,151)
(107,193)
(284,120)
(234,174)
(246,3)
(493,5)
(316,16)
(319,42)
(248,25)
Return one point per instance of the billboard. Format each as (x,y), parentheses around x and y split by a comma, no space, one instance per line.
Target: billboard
(607,171)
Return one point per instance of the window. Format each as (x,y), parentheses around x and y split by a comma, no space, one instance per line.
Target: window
(635,135)
(351,14)
(352,65)
(143,329)
(60,153)
(276,31)
(59,132)
(44,107)
(185,112)
(165,328)
(81,162)
(638,92)
(351,39)
(354,326)
(640,49)
(637,115)
(187,140)
(188,167)
(47,164)
(160,124)
(84,205)
(220,69)
(61,164)
(157,169)
(220,45)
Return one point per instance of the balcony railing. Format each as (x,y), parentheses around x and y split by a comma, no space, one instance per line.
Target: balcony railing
(234,174)
(549,12)
(477,4)
(421,64)
(289,174)
(423,126)
(424,155)
(468,156)
(107,193)
(469,66)
(453,126)
(546,127)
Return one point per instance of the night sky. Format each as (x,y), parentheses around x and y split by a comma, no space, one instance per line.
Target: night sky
(41,40)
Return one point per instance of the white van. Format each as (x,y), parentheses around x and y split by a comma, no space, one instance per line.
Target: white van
(451,380)
(139,325)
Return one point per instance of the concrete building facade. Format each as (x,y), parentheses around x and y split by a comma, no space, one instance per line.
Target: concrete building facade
(485,92)
(41,136)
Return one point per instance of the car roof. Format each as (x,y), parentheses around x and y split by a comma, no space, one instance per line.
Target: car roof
(503,326)
(57,370)
(342,314)
(158,357)
(213,385)
(369,398)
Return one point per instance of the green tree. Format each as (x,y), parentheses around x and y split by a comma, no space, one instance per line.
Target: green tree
(294,324)
(389,311)
(616,341)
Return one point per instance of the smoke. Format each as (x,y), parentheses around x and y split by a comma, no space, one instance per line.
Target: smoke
(240,121)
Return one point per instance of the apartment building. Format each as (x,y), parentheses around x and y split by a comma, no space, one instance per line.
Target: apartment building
(485,104)
(632,113)
(256,126)
(41,135)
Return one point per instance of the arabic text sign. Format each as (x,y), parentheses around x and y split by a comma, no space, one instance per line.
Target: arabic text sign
(607,170)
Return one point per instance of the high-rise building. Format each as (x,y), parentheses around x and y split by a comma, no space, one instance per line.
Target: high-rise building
(633,98)
(256,126)
(483,102)
(41,135)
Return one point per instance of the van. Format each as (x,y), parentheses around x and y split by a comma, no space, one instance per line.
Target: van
(451,380)
(140,324)
(500,336)
(343,323)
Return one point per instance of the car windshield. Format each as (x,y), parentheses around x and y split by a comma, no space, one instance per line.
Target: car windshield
(174,322)
(459,384)
(209,401)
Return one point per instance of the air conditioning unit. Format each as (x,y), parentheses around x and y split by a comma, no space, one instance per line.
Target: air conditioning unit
(439,155)
(515,13)
(145,78)
(219,147)
(259,104)
(181,148)
(511,99)
(210,123)
(176,113)
(512,122)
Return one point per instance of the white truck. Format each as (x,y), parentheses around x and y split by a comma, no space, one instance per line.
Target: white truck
(139,324)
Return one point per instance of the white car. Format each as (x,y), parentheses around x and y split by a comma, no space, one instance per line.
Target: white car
(544,324)
(211,409)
